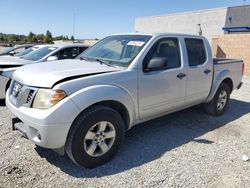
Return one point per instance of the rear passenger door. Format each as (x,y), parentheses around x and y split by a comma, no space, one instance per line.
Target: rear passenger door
(200,70)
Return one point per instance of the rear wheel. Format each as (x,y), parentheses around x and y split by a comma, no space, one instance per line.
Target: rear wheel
(95,136)
(220,101)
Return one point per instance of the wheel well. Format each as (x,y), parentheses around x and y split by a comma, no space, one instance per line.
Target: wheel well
(120,108)
(229,82)
(7,86)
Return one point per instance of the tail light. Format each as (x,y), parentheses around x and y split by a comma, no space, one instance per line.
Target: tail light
(243,69)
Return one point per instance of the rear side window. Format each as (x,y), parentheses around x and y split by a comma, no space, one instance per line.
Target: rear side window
(82,49)
(68,53)
(196,51)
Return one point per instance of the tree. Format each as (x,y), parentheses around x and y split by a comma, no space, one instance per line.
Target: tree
(48,37)
(1,38)
(40,37)
(34,39)
(72,38)
(12,38)
(30,37)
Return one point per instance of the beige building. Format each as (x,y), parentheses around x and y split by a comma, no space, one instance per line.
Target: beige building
(233,46)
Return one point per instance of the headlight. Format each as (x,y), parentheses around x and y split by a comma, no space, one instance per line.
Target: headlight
(45,98)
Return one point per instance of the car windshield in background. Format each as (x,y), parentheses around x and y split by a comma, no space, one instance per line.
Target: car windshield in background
(8,50)
(40,53)
(24,52)
(116,50)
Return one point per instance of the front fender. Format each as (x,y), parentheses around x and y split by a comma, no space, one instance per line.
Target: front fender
(88,96)
(216,83)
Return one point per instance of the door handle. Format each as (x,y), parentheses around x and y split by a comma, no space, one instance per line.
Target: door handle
(207,71)
(181,75)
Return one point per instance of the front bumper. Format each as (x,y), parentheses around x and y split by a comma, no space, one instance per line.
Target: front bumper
(46,128)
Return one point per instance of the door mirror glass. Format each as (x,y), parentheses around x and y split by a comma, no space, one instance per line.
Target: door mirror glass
(156,64)
(52,58)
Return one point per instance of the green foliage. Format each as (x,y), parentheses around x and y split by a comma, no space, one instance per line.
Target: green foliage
(31,38)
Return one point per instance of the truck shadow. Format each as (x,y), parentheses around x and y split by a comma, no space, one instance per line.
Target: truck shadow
(149,141)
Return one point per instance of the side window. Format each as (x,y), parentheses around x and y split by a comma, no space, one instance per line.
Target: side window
(68,53)
(18,50)
(168,48)
(82,49)
(196,51)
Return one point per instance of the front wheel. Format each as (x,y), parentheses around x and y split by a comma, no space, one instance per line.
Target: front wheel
(95,136)
(220,101)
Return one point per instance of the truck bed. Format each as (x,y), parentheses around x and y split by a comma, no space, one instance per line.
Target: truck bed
(225,60)
(231,67)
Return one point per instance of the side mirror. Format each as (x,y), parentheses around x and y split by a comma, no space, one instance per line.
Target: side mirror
(156,64)
(52,58)
(12,53)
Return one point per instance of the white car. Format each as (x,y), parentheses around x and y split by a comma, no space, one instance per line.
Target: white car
(44,53)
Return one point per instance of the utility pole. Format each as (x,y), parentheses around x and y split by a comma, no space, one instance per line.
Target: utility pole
(74,22)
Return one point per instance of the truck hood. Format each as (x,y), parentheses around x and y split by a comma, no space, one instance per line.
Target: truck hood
(47,74)
(9,61)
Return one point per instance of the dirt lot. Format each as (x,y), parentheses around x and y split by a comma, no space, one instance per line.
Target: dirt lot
(185,149)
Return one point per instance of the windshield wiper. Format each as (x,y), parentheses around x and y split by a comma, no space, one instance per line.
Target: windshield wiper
(103,62)
(83,58)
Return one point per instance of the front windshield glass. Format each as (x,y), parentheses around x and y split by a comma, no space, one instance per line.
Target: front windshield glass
(117,50)
(8,50)
(24,52)
(40,53)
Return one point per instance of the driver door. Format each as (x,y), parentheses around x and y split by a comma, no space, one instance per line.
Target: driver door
(163,90)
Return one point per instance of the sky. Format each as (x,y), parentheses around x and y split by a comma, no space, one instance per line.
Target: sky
(93,18)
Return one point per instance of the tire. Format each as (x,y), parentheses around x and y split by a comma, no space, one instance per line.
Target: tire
(86,134)
(213,107)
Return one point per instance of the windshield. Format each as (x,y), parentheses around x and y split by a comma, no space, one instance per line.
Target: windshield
(8,50)
(117,50)
(40,53)
(24,52)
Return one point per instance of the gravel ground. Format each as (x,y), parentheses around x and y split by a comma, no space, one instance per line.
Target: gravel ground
(184,149)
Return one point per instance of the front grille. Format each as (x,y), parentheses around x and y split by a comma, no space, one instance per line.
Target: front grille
(22,95)
(30,97)
(16,90)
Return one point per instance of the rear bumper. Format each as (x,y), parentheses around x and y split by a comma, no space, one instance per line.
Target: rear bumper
(46,128)
(240,85)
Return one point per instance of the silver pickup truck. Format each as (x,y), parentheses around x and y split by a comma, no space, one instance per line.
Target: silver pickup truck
(84,106)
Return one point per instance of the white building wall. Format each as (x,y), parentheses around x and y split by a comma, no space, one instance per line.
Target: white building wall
(211,21)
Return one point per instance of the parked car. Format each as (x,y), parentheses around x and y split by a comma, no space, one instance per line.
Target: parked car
(46,53)
(26,51)
(7,58)
(84,106)
(16,49)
